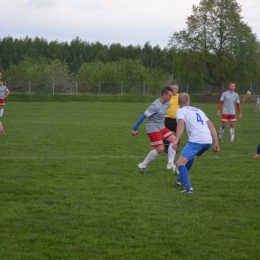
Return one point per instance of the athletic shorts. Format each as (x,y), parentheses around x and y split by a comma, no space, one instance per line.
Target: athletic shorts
(158,137)
(2,101)
(226,117)
(194,149)
(171,124)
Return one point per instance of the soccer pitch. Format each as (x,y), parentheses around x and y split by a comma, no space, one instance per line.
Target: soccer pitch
(71,189)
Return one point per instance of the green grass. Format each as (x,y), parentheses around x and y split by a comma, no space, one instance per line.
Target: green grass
(70,188)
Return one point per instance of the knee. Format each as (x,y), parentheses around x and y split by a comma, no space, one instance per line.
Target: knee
(159,149)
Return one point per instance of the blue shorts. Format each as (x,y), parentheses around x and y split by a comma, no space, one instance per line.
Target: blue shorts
(194,149)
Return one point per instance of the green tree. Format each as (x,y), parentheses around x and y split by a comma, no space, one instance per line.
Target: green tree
(217,45)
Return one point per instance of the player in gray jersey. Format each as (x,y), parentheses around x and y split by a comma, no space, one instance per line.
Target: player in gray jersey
(229,99)
(4,92)
(156,130)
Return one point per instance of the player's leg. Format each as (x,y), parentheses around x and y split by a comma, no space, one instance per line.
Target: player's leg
(257,155)
(167,135)
(2,103)
(1,128)
(171,125)
(224,120)
(232,127)
(157,143)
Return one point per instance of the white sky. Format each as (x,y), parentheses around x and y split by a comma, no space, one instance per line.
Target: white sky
(107,21)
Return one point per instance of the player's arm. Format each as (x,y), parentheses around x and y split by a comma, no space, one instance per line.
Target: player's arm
(7,93)
(239,109)
(219,107)
(138,123)
(179,131)
(214,136)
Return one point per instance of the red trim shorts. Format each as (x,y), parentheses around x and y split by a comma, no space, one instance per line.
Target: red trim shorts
(157,138)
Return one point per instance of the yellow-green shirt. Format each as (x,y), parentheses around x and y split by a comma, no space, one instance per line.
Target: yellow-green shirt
(174,106)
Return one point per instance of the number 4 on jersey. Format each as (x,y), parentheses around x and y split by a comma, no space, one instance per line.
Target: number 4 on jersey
(199,119)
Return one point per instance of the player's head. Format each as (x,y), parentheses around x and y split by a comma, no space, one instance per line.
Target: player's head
(183,99)
(175,88)
(166,94)
(1,82)
(232,86)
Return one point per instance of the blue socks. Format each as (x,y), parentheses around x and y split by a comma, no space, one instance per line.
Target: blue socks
(184,173)
(258,149)
(184,176)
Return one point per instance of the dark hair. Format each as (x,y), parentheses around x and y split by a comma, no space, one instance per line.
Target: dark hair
(232,82)
(165,90)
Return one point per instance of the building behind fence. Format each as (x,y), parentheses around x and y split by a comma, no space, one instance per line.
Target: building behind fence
(114,88)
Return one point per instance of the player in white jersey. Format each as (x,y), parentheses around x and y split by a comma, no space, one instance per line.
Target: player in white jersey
(229,99)
(4,92)
(200,131)
(156,130)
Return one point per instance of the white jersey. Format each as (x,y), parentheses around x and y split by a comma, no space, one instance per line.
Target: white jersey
(196,124)
(229,100)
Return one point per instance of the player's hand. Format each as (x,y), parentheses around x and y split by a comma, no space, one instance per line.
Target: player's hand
(134,132)
(175,146)
(216,148)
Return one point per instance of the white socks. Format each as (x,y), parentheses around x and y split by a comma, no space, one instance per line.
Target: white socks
(171,154)
(232,134)
(151,156)
(1,112)
(221,132)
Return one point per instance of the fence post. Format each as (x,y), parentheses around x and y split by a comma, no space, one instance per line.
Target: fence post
(53,87)
(99,87)
(122,86)
(143,88)
(76,87)
(29,87)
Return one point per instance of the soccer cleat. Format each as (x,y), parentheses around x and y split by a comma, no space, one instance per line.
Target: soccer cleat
(184,190)
(221,139)
(257,155)
(142,168)
(178,183)
(170,166)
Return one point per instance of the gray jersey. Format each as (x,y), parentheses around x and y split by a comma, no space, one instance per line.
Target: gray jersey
(3,91)
(229,100)
(155,114)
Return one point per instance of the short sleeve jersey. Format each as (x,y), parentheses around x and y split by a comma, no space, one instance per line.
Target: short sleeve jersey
(155,114)
(171,113)
(196,124)
(3,90)
(229,100)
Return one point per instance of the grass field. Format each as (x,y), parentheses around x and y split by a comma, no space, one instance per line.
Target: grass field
(70,188)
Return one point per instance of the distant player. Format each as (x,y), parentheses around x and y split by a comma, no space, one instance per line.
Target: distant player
(4,92)
(156,130)
(229,99)
(257,106)
(201,132)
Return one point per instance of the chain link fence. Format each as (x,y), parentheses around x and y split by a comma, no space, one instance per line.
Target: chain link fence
(115,88)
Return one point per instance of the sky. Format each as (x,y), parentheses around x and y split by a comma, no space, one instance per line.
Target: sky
(128,22)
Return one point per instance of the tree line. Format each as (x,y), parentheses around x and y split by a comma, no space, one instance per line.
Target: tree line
(215,48)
